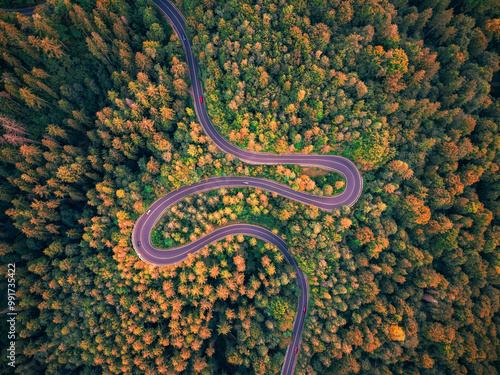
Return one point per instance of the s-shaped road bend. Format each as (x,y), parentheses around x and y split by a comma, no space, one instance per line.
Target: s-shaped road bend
(144,225)
(26,11)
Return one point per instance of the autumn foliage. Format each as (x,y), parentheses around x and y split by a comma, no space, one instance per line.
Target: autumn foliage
(96,122)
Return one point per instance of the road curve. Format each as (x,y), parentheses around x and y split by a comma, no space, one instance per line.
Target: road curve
(144,225)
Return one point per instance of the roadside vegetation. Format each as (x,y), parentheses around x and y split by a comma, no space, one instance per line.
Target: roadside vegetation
(409,91)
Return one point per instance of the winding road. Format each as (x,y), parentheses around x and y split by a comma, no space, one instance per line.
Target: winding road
(143,227)
(26,11)
(145,224)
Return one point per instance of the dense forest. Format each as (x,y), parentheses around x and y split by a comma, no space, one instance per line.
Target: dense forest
(96,122)
(17,4)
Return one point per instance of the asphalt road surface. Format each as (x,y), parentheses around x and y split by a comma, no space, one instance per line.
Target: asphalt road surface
(144,225)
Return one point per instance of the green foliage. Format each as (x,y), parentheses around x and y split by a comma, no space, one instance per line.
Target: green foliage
(16,4)
(279,308)
(372,148)
(97,123)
